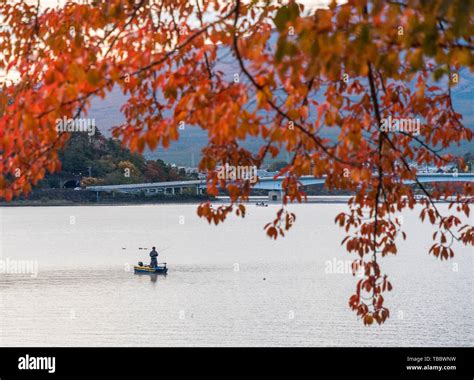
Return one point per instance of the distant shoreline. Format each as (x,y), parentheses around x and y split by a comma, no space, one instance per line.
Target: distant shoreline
(311,200)
(68,204)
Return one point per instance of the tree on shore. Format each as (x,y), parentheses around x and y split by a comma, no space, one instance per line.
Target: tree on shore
(376,74)
(103,161)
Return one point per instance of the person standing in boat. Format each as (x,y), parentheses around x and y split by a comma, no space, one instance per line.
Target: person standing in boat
(154,258)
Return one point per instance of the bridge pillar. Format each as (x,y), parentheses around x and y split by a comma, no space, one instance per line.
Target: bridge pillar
(274,196)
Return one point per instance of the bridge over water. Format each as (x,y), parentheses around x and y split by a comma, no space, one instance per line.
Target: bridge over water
(269,183)
(265,183)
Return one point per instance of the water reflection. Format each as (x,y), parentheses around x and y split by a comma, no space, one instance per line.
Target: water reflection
(153,276)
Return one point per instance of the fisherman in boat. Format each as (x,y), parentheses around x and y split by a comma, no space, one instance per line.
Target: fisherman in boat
(154,260)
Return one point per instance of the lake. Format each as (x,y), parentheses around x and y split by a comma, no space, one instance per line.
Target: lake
(227,286)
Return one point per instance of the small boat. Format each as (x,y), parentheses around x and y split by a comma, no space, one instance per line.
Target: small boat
(140,268)
(261,204)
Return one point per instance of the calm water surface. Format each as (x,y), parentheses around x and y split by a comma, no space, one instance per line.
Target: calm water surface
(227,285)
